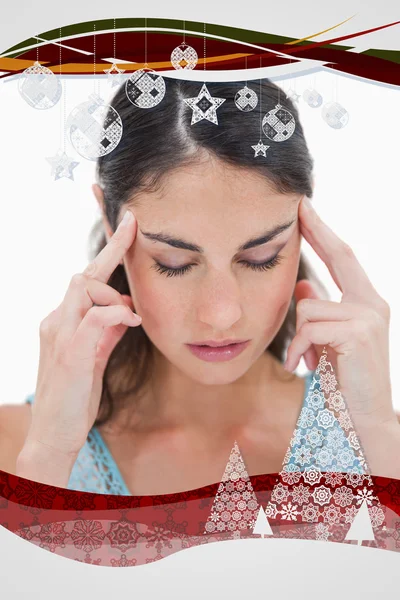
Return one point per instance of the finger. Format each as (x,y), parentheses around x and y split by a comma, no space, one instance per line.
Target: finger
(312,310)
(105,263)
(305,289)
(309,309)
(81,294)
(339,258)
(87,336)
(110,338)
(326,333)
(103,294)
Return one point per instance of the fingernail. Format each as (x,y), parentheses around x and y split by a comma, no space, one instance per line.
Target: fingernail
(307,202)
(128,217)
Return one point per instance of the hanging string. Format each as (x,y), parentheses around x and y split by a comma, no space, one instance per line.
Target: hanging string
(145,42)
(279,94)
(260,97)
(65,111)
(312,84)
(94,57)
(204,52)
(115,46)
(63,93)
(184,32)
(294,81)
(245,58)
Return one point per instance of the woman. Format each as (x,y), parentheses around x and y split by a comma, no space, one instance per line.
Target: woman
(210,255)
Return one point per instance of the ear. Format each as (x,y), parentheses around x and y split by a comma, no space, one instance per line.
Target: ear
(98,192)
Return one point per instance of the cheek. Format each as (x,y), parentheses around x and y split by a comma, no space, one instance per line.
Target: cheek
(274,296)
(153,299)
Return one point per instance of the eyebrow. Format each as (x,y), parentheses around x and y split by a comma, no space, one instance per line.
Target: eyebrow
(265,237)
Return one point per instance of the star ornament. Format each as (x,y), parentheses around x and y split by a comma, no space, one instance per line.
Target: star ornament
(292,95)
(62,165)
(114,75)
(260,148)
(204,106)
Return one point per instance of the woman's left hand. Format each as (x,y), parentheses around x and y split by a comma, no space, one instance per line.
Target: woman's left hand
(355,331)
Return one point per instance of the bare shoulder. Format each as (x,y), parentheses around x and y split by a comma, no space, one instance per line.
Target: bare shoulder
(15,420)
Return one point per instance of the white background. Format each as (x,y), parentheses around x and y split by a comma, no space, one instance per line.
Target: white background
(356,192)
(46,223)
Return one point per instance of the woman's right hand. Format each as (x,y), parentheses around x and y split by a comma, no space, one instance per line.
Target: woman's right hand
(76,341)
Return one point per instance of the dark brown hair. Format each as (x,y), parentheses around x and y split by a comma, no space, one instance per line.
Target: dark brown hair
(158,140)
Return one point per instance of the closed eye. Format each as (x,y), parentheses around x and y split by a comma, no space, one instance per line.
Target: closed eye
(264,266)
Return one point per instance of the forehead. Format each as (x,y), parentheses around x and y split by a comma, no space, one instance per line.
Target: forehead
(216,193)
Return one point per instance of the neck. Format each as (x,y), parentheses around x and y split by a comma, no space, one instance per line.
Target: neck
(174,400)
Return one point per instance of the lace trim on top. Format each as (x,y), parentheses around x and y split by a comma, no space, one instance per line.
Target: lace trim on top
(95,469)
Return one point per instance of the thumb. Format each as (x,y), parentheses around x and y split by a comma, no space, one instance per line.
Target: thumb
(305,289)
(110,338)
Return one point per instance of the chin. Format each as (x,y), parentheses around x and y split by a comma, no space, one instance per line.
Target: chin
(217,373)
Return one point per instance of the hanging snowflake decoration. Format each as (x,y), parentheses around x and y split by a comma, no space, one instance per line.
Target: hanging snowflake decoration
(62,165)
(39,87)
(313,98)
(278,124)
(246,99)
(145,88)
(260,148)
(204,106)
(335,115)
(184,57)
(293,95)
(114,75)
(95,128)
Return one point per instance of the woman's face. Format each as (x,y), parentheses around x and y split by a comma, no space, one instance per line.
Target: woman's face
(218,208)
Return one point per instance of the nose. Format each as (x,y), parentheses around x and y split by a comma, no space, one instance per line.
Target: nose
(219,301)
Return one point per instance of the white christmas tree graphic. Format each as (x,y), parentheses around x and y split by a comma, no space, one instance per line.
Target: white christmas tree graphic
(325,475)
(262,525)
(361,527)
(235,504)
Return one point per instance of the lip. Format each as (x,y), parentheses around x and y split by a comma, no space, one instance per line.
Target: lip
(218,354)
(216,344)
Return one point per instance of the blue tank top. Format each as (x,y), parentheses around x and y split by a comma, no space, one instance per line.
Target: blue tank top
(95,469)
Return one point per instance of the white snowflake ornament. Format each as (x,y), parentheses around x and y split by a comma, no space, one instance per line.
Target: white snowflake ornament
(39,87)
(114,75)
(278,124)
(184,57)
(246,99)
(313,98)
(292,95)
(145,88)
(260,148)
(335,115)
(204,106)
(95,128)
(62,165)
